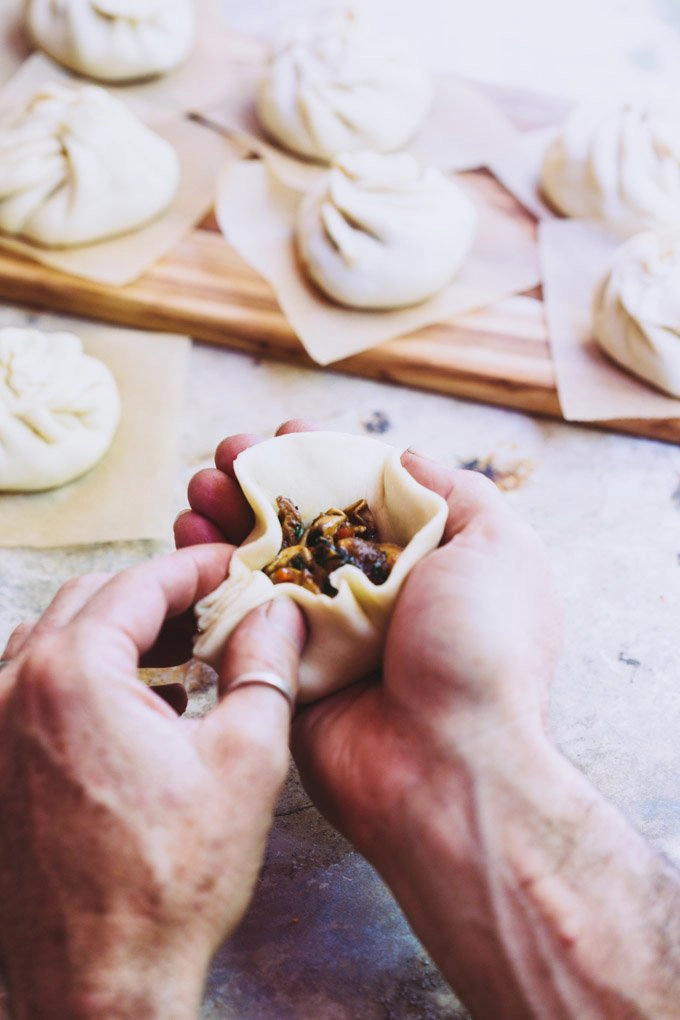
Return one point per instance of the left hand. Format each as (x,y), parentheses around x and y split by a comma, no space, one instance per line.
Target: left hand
(131,839)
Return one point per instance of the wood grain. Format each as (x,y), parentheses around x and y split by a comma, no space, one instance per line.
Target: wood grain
(203,288)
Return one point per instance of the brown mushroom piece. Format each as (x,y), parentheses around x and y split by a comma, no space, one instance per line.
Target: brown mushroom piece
(308,556)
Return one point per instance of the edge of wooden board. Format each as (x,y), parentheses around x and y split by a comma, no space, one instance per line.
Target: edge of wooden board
(220,280)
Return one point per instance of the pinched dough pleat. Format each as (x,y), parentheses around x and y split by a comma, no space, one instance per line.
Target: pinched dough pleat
(636,310)
(76,166)
(380,232)
(114,40)
(333,88)
(318,470)
(619,164)
(59,409)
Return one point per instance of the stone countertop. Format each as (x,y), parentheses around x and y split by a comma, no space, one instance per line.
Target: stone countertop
(323,938)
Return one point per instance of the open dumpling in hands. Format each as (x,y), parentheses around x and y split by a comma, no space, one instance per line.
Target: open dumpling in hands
(334,88)
(59,409)
(636,310)
(76,166)
(380,232)
(619,164)
(339,523)
(114,40)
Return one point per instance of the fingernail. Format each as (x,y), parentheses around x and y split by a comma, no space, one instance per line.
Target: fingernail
(419,453)
(279,609)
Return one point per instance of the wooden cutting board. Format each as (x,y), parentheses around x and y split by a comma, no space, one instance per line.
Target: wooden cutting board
(204,289)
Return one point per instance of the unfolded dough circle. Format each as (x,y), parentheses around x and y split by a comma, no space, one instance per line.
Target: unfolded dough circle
(114,40)
(379,232)
(619,164)
(636,310)
(76,166)
(318,470)
(59,409)
(335,88)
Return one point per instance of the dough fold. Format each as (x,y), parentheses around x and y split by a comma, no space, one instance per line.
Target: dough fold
(59,409)
(76,166)
(636,309)
(114,40)
(380,232)
(619,164)
(318,470)
(333,88)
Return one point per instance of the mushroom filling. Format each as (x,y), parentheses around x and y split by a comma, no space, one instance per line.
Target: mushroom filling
(310,554)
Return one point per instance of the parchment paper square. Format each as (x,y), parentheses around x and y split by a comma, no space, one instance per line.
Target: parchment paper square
(129,494)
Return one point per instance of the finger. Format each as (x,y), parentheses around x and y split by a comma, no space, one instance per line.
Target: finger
(174,644)
(126,615)
(270,640)
(219,499)
(192,528)
(17,640)
(68,601)
(467,493)
(298,425)
(229,449)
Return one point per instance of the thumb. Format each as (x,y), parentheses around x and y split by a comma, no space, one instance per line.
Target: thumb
(254,719)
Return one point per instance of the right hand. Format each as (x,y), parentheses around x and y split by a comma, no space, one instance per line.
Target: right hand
(469,653)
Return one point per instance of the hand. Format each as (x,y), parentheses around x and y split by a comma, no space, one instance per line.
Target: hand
(131,839)
(534,896)
(469,653)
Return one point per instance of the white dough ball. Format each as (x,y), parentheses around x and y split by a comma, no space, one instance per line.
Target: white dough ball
(380,232)
(619,164)
(59,409)
(334,88)
(636,310)
(114,40)
(76,166)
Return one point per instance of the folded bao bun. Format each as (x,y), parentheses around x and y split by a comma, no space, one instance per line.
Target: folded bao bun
(636,310)
(318,470)
(59,409)
(619,164)
(334,88)
(76,166)
(114,40)
(380,232)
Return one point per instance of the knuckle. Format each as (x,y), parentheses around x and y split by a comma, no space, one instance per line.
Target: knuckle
(83,582)
(40,668)
(20,633)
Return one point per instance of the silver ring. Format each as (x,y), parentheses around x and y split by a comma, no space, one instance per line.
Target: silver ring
(261,678)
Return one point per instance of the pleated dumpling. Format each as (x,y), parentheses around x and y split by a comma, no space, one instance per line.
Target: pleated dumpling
(76,166)
(380,232)
(59,409)
(114,40)
(636,310)
(332,87)
(324,473)
(619,164)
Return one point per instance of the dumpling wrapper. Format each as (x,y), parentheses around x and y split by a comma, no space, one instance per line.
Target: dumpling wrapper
(77,166)
(618,164)
(636,309)
(379,232)
(114,40)
(59,409)
(318,470)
